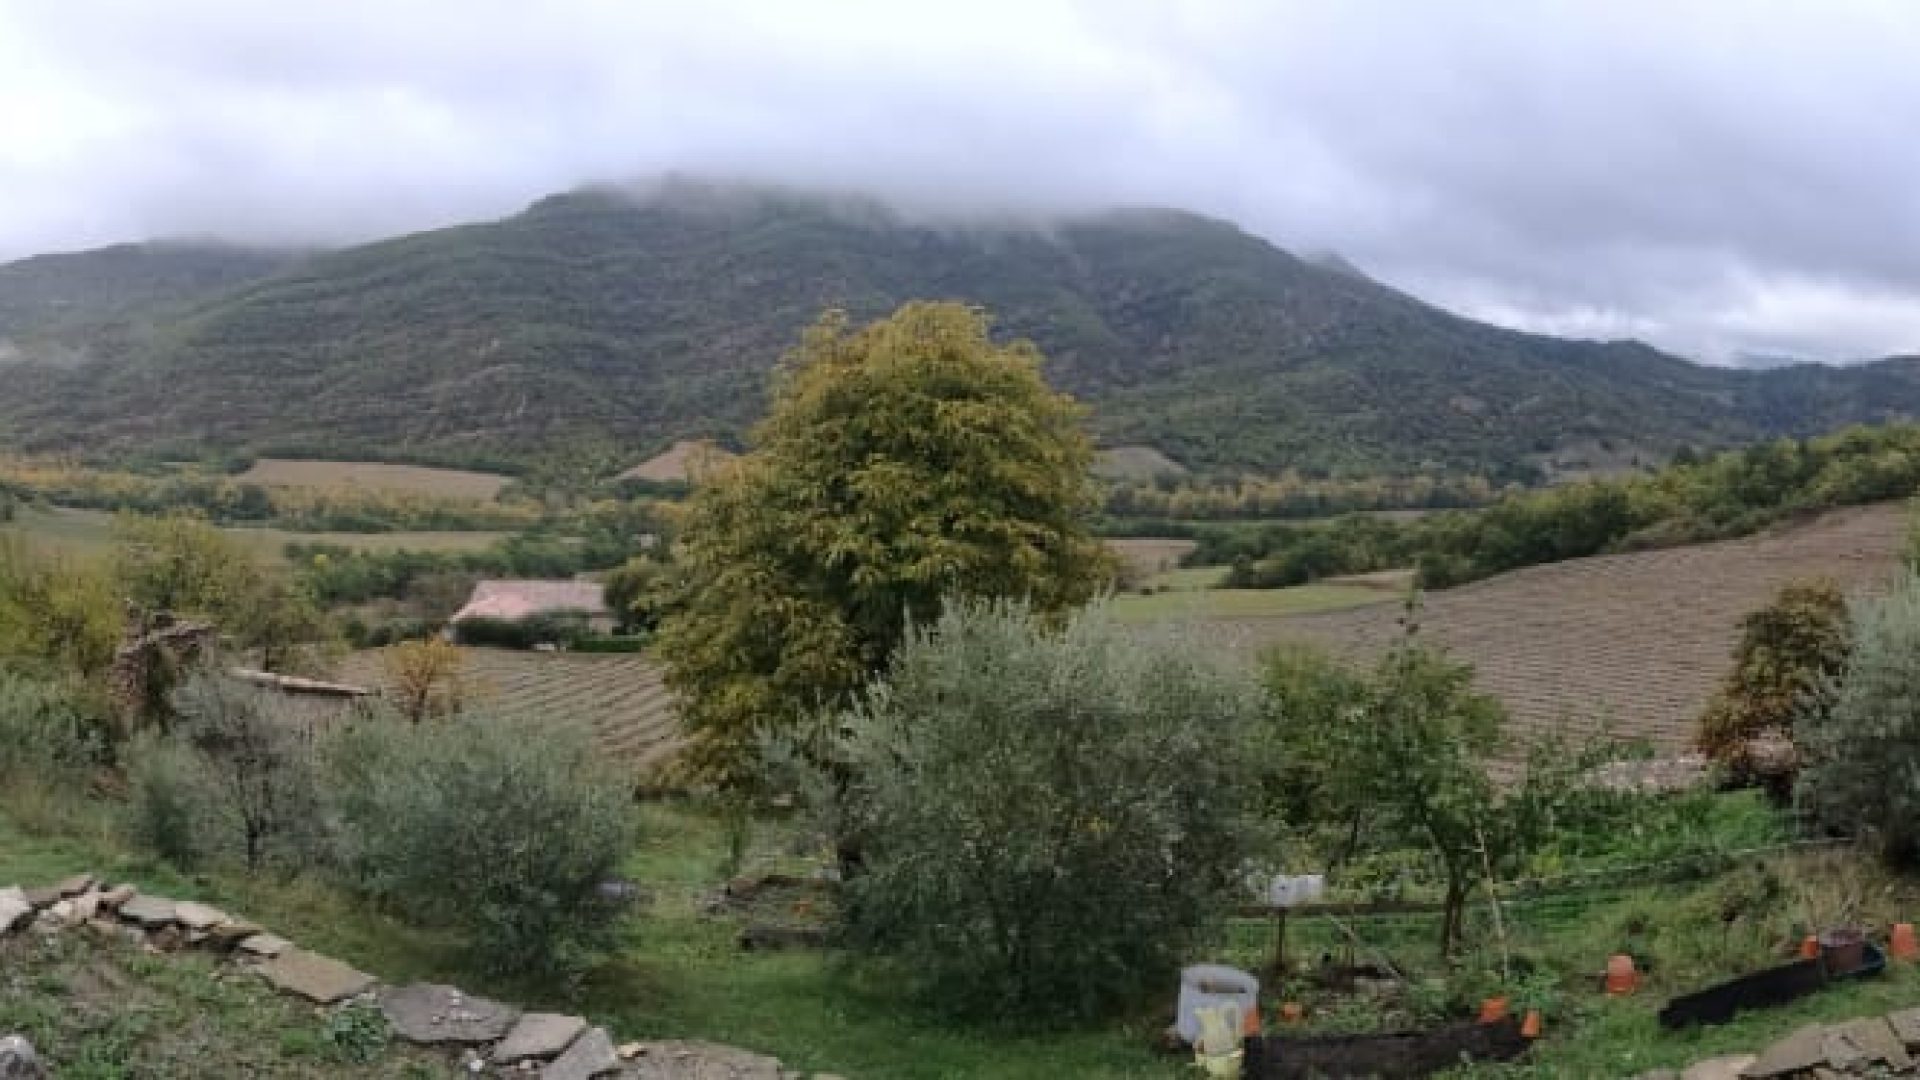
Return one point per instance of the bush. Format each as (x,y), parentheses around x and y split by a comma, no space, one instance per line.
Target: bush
(1863,769)
(260,796)
(49,732)
(502,827)
(1047,821)
(555,628)
(166,800)
(1788,654)
(233,781)
(612,643)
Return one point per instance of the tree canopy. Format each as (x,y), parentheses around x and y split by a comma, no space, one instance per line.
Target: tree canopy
(903,462)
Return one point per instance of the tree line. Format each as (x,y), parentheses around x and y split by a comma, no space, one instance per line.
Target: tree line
(1691,500)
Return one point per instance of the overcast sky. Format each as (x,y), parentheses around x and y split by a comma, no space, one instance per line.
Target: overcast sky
(1721,179)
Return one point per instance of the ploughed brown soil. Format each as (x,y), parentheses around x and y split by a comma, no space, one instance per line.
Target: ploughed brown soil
(1634,644)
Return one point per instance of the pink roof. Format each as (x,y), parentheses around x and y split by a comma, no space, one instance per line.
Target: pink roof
(514,600)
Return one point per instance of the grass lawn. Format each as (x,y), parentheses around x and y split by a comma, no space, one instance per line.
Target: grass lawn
(1190,603)
(65,531)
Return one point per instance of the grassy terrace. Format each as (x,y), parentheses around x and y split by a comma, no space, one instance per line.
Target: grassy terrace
(681,974)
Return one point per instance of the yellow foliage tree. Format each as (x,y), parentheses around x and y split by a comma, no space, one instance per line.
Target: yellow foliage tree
(903,463)
(426,678)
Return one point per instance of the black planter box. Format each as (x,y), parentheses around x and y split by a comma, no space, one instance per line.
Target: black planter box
(1763,989)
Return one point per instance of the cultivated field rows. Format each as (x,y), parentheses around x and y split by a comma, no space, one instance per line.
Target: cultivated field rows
(620,697)
(1632,644)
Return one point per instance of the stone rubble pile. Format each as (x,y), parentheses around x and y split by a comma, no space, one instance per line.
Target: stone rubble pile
(1878,1046)
(491,1038)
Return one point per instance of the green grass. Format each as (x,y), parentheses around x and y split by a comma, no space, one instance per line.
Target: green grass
(84,533)
(1203,603)
(680,973)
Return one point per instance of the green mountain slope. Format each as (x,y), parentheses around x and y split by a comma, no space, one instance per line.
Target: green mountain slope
(108,302)
(652,316)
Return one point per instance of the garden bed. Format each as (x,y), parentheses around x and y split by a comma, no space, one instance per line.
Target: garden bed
(1398,1054)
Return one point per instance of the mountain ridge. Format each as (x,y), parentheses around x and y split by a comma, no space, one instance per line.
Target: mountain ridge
(650,314)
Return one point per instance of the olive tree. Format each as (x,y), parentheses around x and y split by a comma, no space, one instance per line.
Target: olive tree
(1863,747)
(1049,817)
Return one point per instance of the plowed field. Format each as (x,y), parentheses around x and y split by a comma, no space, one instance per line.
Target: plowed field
(1633,643)
(619,696)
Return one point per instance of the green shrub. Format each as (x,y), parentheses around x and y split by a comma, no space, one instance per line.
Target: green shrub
(49,732)
(612,643)
(1046,821)
(555,628)
(166,800)
(1863,769)
(502,827)
(259,796)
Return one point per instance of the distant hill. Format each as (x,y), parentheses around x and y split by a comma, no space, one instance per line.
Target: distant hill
(103,303)
(651,315)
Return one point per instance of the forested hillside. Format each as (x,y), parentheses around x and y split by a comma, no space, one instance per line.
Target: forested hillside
(645,316)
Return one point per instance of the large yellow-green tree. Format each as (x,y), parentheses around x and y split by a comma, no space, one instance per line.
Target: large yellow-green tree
(903,463)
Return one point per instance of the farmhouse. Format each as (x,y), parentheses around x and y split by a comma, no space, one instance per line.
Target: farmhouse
(518,601)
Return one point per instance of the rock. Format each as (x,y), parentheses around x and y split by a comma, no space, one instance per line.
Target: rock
(628,1051)
(168,938)
(538,1036)
(117,896)
(76,885)
(18,1061)
(1728,1067)
(1659,1074)
(264,945)
(590,1055)
(195,916)
(14,910)
(1906,1027)
(317,978)
(44,897)
(86,906)
(231,933)
(151,912)
(1873,1040)
(429,1014)
(1798,1052)
(104,929)
(698,1061)
(62,910)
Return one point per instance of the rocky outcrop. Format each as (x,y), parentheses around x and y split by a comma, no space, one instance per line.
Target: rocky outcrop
(1873,1046)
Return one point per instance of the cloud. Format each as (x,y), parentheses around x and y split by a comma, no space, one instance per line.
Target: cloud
(1718,177)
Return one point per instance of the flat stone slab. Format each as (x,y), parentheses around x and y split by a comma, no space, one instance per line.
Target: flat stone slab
(45,896)
(265,945)
(590,1055)
(538,1036)
(692,1060)
(117,896)
(1875,1041)
(14,911)
(1801,1051)
(195,916)
(431,1014)
(76,885)
(1728,1067)
(1906,1026)
(317,978)
(149,911)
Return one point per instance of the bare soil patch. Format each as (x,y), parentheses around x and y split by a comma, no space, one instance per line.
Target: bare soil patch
(375,476)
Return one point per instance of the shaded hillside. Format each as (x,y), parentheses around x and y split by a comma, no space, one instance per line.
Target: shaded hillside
(102,303)
(648,317)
